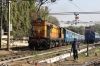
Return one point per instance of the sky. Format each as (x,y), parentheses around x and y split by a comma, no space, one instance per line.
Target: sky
(81,6)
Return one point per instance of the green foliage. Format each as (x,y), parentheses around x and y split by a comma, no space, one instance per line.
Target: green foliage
(20,18)
(53,20)
(97,28)
(79,30)
(5,20)
(44,13)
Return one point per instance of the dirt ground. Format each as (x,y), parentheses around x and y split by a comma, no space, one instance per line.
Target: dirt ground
(3,52)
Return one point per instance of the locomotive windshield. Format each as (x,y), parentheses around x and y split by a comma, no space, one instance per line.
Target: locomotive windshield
(39,20)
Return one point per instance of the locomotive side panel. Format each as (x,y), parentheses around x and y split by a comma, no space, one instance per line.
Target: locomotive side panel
(54,32)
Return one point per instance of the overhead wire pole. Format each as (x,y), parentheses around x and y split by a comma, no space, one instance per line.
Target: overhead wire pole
(88,46)
(8,38)
(1,18)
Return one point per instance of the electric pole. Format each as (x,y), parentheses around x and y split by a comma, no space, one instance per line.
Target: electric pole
(1,18)
(8,38)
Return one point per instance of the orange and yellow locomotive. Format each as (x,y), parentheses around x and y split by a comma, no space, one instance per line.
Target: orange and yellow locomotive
(45,35)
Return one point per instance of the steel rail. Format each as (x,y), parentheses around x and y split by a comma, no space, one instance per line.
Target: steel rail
(15,59)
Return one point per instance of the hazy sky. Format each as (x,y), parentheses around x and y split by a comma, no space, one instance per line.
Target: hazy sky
(84,5)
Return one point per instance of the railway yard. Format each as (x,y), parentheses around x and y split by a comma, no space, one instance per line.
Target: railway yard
(23,56)
(31,36)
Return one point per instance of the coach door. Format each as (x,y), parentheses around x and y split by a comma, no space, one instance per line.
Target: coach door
(60,33)
(48,31)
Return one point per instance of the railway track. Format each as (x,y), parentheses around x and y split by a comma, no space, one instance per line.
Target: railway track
(94,62)
(28,54)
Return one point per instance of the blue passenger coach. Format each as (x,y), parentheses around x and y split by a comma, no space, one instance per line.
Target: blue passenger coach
(70,35)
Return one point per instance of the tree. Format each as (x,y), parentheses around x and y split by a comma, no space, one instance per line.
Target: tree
(39,3)
(97,28)
(53,20)
(43,14)
(79,30)
(20,17)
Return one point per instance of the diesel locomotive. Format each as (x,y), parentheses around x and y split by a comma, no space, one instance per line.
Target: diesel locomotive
(45,35)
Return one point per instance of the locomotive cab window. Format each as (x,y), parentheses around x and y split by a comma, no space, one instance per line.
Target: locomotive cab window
(39,20)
